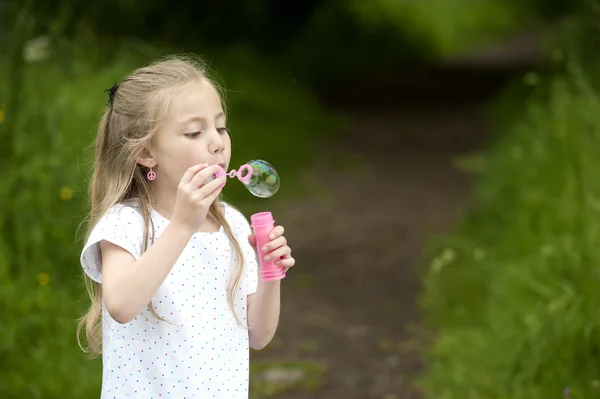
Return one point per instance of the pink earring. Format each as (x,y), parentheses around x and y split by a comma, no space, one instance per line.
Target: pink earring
(151,175)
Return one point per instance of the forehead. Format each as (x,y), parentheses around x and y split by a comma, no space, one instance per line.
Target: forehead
(197,99)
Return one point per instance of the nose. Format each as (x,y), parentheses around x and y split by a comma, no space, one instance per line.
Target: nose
(216,143)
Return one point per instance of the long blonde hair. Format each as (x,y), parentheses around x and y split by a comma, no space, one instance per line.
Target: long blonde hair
(126,129)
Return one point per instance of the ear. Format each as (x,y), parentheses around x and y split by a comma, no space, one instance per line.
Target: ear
(145,158)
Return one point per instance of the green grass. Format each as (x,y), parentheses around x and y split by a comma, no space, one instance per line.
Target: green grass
(46,152)
(512,295)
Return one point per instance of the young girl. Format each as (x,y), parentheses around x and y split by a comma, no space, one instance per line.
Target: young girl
(171,270)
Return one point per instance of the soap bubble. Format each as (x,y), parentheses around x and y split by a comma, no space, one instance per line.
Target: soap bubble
(264,181)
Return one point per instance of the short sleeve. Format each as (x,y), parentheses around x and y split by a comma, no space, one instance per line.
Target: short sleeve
(242,230)
(121,225)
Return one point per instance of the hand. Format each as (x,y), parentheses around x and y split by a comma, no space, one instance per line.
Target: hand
(277,248)
(195,198)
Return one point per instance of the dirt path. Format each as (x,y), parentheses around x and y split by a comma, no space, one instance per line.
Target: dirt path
(350,301)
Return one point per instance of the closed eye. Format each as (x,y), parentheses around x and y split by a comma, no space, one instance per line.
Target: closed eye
(193,135)
(222,130)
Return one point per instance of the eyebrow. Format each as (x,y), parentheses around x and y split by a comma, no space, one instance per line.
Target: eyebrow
(201,119)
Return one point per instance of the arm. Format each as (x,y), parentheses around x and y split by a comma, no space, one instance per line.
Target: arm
(264,305)
(263,313)
(128,285)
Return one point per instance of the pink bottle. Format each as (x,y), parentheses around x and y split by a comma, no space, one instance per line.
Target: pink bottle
(263,224)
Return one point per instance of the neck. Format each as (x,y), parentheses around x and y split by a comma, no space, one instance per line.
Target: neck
(165,200)
(165,205)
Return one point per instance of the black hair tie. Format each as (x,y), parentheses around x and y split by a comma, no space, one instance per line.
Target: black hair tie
(111,93)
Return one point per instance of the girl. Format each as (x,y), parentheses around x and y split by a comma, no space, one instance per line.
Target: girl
(171,270)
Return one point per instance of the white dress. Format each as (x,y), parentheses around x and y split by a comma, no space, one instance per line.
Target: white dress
(201,351)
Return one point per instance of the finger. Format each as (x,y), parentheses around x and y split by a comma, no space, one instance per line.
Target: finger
(276,243)
(286,262)
(212,196)
(278,253)
(191,172)
(209,188)
(202,175)
(252,240)
(276,232)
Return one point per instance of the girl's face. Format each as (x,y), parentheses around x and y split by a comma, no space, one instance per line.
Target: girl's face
(193,132)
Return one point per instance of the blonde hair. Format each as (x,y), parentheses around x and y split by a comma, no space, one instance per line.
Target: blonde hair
(126,129)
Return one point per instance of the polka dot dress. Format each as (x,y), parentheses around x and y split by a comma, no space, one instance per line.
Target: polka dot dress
(200,351)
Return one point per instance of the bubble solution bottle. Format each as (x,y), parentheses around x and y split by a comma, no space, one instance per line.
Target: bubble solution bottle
(263,224)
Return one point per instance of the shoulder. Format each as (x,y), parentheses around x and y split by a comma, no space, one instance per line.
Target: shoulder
(233,215)
(235,218)
(125,211)
(122,225)
(122,216)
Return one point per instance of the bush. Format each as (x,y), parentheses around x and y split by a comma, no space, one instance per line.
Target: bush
(448,27)
(513,294)
(43,174)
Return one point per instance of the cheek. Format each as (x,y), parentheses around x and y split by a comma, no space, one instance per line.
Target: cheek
(227,141)
(188,156)
(177,156)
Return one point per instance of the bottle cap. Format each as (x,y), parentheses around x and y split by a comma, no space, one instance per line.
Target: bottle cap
(262,219)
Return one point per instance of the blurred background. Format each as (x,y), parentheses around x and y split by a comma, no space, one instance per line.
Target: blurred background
(446,150)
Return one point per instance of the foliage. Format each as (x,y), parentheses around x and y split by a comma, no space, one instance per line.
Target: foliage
(513,294)
(318,39)
(449,27)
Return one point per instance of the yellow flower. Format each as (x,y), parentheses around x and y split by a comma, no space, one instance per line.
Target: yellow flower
(1,116)
(43,278)
(66,193)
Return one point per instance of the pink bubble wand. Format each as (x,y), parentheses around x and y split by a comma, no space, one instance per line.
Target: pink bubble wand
(239,173)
